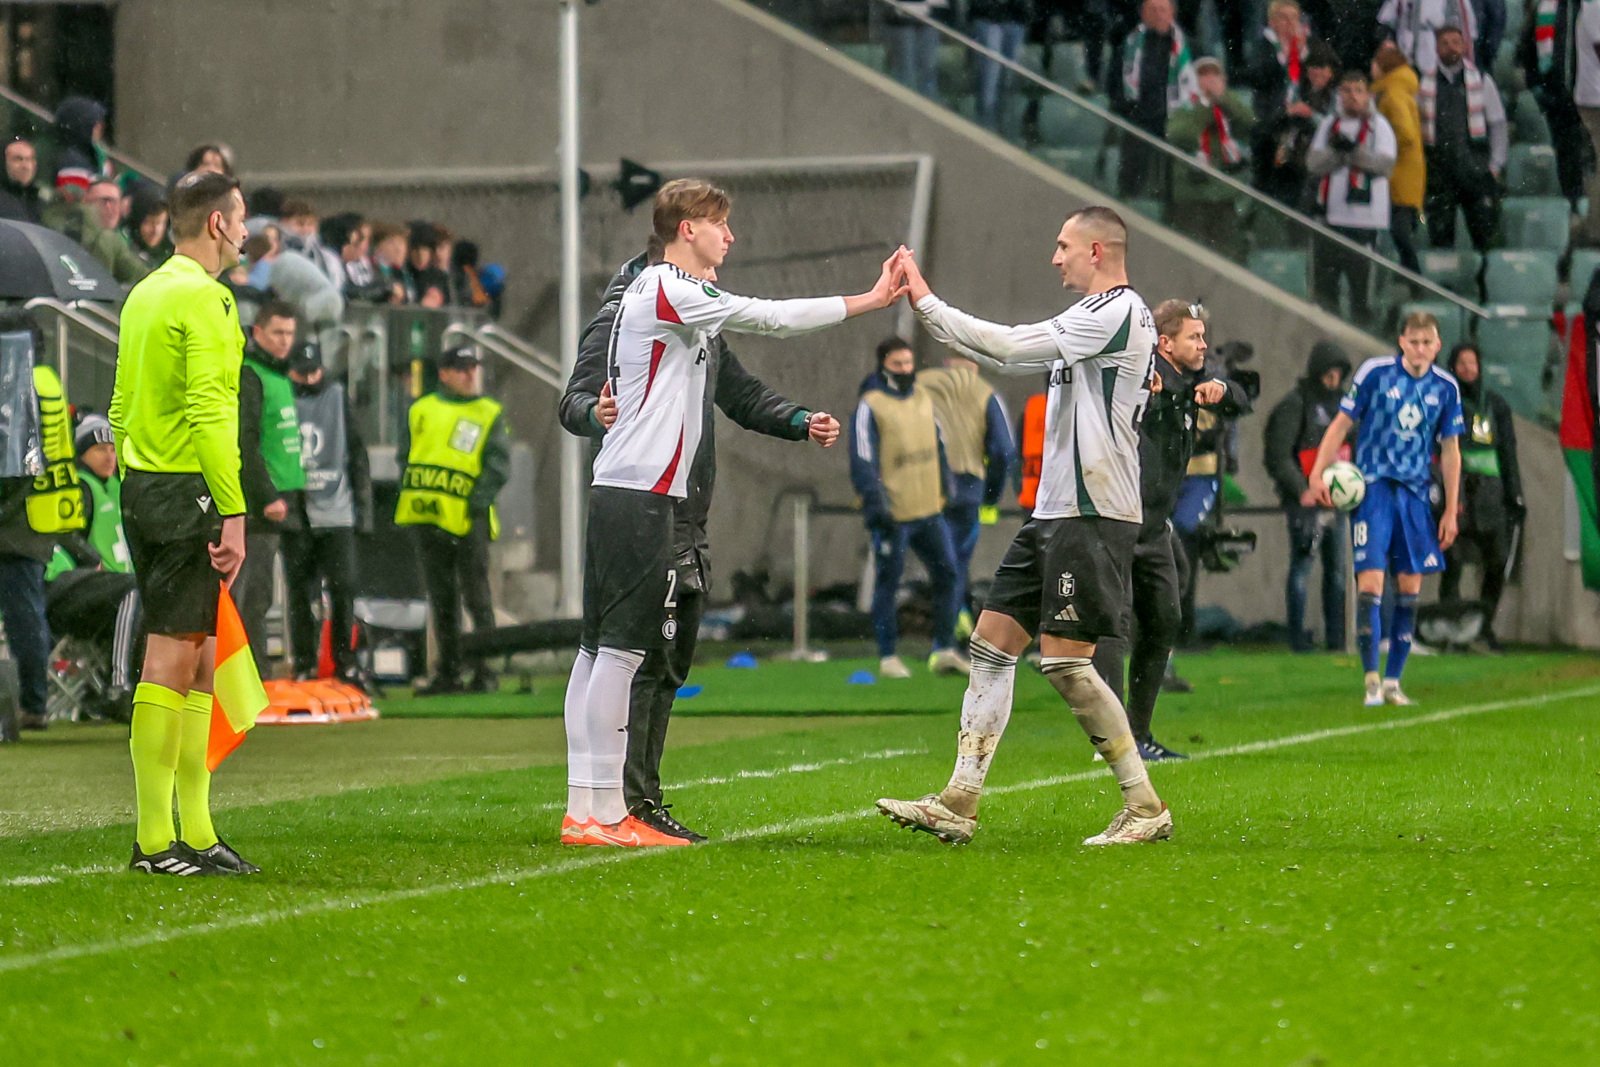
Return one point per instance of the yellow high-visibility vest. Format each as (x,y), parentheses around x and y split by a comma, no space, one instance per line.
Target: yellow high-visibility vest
(447,443)
(55,500)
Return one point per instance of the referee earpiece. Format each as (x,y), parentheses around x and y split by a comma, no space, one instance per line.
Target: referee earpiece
(237,246)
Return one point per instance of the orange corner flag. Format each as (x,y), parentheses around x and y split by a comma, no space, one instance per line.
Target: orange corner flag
(238,695)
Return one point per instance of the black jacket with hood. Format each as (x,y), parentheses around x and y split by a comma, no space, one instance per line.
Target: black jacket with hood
(1300,419)
(76,118)
(742,396)
(1489,502)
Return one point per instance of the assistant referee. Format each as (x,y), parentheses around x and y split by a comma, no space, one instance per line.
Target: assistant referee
(175,413)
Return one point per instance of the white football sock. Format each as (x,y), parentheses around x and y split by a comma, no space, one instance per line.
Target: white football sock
(1095,707)
(606,713)
(985,710)
(578,796)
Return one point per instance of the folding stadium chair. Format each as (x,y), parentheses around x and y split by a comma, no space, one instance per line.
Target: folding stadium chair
(1516,351)
(1537,222)
(1521,277)
(875,56)
(1455,271)
(1287,268)
(1531,171)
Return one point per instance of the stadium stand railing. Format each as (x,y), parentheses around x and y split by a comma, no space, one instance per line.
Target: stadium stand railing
(1079,135)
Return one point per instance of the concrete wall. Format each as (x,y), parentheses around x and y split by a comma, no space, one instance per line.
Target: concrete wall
(397,84)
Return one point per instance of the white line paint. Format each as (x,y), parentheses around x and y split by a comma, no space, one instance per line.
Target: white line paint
(555,805)
(782,829)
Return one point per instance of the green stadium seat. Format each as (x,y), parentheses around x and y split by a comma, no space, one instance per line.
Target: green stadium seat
(1032,57)
(1078,162)
(1521,277)
(1540,222)
(1063,124)
(955,70)
(1581,271)
(1455,271)
(1531,127)
(1287,268)
(1452,327)
(1112,163)
(875,56)
(1149,207)
(1516,349)
(1531,171)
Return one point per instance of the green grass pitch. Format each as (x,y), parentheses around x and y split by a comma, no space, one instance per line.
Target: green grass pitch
(1346,886)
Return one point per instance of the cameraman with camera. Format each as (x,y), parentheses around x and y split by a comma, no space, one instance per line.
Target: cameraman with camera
(1180,390)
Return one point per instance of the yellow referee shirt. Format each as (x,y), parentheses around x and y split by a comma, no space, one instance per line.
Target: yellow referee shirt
(175,407)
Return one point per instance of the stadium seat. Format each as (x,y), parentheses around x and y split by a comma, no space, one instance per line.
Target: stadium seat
(1032,57)
(1063,124)
(1581,270)
(955,70)
(875,56)
(1531,127)
(1452,328)
(1531,171)
(1287,268)
(1521,277)
(1535,222)
(1455,271)
(1111,162)
(1515,349)
(1078,162)
(1149,207)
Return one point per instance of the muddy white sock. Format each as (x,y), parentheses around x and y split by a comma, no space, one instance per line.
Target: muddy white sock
(985,710)
(1095,707)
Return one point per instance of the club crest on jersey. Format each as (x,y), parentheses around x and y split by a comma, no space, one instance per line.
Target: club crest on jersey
(1068,584)
(669,629)
(710,290)
(1410,416)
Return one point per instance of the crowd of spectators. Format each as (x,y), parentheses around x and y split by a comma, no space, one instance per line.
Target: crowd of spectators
(1271,91)
(317,263)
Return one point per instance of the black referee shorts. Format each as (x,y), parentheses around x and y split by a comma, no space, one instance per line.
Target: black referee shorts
(1067,577)
(171,522)
(629,577)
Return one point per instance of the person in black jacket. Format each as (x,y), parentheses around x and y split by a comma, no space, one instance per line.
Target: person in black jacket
(20,198)
(1491,489)
(1182,384)
(1294,430)
(325,518)
(587,410)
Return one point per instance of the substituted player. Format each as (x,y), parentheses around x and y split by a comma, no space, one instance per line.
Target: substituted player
(1066,574)
(1402,405)
(656,371)
(175,413)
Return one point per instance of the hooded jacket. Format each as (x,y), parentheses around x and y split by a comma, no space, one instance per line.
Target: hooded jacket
(1396,93)
(23,203)
(80,160)
(742,396)
(1488,501)
(1300,419)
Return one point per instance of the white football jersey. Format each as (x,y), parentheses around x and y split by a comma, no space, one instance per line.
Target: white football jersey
(657,370)
(1097,396)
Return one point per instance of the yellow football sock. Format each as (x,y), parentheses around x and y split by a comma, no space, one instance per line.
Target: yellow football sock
(194,780)
(157,715)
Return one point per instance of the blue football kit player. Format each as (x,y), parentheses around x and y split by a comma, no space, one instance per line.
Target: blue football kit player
(1401,405)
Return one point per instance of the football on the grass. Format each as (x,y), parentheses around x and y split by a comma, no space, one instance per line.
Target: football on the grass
(1345,485)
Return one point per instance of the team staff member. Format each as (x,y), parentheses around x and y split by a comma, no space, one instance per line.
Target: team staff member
(979,451)
(587,409)
(34,512)
(898,469)
(91,591)
(1491,488)
(1166,439)
(269,453)
(175,413)
(319,536)
(458,457)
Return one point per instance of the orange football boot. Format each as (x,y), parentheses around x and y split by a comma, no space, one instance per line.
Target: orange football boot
(632,833)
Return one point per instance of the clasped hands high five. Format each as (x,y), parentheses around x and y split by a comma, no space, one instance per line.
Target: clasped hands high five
(901,277)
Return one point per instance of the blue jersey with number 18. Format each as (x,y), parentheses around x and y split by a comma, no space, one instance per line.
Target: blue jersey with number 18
(1401,417)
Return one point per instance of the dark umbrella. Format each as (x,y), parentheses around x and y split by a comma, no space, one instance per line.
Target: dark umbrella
(35,261)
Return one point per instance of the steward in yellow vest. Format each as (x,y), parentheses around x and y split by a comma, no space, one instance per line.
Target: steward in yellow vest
(457,458)
(897,465)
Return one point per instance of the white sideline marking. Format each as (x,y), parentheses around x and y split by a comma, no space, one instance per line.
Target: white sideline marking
(555,805)
(792,826)
(60,873)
